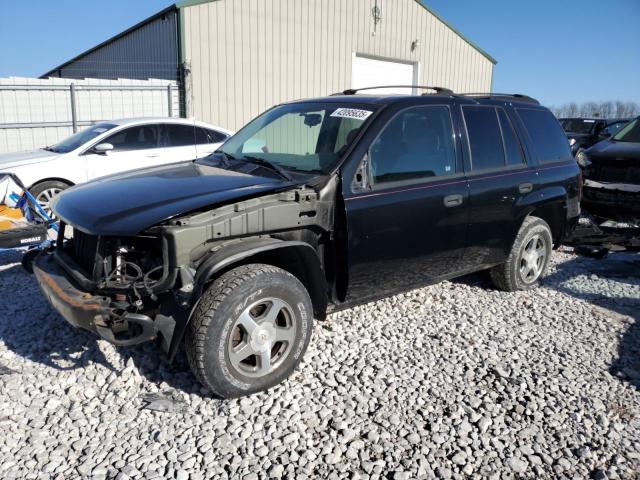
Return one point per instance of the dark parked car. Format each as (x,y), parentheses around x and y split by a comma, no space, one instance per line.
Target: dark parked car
(611,171)
(611,196)
(313,206)
(585,132)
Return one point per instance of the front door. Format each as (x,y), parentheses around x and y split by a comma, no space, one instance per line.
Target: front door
(410,228)
(133,147)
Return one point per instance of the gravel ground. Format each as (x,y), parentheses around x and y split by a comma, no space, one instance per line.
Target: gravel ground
(455,380)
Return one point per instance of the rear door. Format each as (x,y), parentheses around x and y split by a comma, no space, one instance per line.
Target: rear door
(211,140)
(133,147)
(500,180)
(410,226)
(188,142)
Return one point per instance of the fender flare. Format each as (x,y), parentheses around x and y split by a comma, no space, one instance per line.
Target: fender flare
(234,253)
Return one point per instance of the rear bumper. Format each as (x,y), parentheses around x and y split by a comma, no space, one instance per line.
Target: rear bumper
(84,310)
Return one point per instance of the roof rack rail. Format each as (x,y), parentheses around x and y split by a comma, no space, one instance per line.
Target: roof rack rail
(519,96)
(353,91)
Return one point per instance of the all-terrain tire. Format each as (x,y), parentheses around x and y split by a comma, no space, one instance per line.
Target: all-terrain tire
(214,328)
(508,276)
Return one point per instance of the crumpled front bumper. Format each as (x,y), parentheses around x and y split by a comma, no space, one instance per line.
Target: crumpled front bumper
(611,200)
(84,310)
(80,309)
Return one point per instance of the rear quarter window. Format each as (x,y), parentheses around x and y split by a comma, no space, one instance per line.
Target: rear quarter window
(549,140)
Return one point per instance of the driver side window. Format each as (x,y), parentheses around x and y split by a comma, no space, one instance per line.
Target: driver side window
(417,143)
(141,137)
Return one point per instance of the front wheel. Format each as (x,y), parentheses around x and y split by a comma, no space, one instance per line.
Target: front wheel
(249,330)
(45,191)
(529,257)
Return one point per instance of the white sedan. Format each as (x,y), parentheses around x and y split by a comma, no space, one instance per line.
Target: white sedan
(108,147)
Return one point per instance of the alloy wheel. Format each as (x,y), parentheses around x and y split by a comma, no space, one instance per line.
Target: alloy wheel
(262,337)
(533,259)
(44,199)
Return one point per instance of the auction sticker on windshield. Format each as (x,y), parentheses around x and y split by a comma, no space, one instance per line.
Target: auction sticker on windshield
(354,113)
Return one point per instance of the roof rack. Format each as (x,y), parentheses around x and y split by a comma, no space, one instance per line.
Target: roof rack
(353,91)
(518,96)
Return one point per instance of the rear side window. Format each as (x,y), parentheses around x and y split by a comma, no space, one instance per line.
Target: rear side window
(416,143)
(212,136)
(485,140)
(512,147)
(549,140)
(184,135)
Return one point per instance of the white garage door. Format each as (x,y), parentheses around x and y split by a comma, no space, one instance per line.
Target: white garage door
(369,72)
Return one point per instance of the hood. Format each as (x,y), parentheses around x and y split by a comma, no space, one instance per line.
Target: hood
(126,204)
(24,158)
(610,150)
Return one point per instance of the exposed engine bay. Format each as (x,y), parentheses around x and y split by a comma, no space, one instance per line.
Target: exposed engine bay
(144,283)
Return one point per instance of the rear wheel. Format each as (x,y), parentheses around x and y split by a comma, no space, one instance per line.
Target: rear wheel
(249,331)
(528,259)
(45,191)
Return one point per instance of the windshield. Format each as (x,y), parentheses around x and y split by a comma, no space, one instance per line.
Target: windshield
(630,133)
(577,125)
(78,139)
(306,137)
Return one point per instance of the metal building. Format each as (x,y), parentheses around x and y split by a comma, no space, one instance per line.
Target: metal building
(236,58)
(147,50)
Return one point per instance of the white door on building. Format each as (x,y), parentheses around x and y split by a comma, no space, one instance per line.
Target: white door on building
(372,72)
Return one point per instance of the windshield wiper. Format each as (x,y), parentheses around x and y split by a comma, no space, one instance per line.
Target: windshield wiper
(49,149)
(266,163)
(226,158)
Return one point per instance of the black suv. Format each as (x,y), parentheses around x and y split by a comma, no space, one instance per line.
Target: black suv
(585,132)
(315,205)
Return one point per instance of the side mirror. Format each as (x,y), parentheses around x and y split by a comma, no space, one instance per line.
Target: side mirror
(362,178)
(102,148)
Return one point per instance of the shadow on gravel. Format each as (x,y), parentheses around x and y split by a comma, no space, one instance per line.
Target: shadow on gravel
(30,328)
(621,268)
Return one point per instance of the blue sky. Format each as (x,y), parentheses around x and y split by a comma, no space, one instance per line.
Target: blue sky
(555,50)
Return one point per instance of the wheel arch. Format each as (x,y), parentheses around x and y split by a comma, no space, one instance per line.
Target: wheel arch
(52,179)
(296,257)
(554,213)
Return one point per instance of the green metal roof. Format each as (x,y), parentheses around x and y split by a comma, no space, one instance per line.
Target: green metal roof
(189,3)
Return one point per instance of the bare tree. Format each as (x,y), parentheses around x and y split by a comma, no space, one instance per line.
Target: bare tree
(608,109)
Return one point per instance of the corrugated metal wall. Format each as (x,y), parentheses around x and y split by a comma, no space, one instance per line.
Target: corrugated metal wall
(147,51)
(247,55)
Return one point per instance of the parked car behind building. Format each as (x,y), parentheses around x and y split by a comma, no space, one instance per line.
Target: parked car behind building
(584,132)
(110,147)
(315,205)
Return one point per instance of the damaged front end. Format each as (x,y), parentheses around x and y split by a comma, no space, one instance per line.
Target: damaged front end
(610,198)
(132,289)
(115,287)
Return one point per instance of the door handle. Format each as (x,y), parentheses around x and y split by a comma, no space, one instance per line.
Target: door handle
(525,187)
(152,155)
(452,200)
